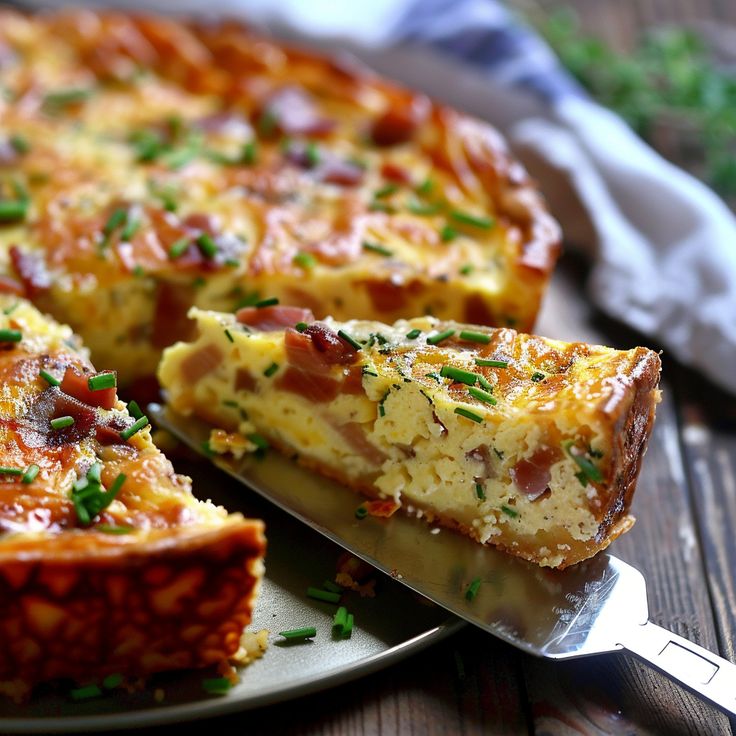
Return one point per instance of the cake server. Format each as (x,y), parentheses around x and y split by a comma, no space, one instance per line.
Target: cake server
(595,607)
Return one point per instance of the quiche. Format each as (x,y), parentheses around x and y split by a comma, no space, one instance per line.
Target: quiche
(151,164)
(522,442)
(108,565)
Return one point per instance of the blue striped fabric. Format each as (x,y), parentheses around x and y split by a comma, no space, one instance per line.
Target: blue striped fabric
(486,36)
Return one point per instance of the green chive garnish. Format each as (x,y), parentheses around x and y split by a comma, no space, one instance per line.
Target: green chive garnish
(10,335)
(440,336)
(137,426)
(178,248)
(312,154)
(110,529)
(13,209)
(492,363)
(114,489)
(481,395)
(323,595)
(134,410)
(509,511)
(386,191)
(271,370)
(480,492)
(30,474)
(102,381)
(301,326)
(9,310)
(250,153)
(471,336)
(304,633)
(207,245)
(375,248)
(349,340)
(483,381)
(472,589)
(361,512)
(10,471)
(426,186)
(216,685)
(467,269)
(116,219)
(332,587)
(537,377)
(85,693)
(457,374)
(65,97)
(423,210)
(19,143)
(112,681)
(341,618)
(229,336)
(260,442)
(347,629)
(468,414)
(448,233)
(62,422)
(413,334)
(305,260)
(476,221)
(131,228)
(588,469)
(266,302)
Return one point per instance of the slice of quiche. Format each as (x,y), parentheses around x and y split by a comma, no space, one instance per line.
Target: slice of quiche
(526,443)
(150,164)
(108,564)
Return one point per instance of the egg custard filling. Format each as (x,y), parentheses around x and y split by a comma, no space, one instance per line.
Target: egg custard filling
(108,564)
(522,442)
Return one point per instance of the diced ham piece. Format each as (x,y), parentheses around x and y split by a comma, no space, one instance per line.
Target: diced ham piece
(335,350)
(244,380)
(400,122)
(77,385)
(316,387)
(395,173)
(170,320)
(200,363)
(532,475)
(270,319)
(383,508)
(355,435)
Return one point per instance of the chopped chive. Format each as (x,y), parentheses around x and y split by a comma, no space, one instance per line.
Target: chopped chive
(307,632)
(13,209)
(271,370)
(85,693)
(435,376)
(116,219)
(112,681)
(385,191)
(30,473)
(305,260)
(509,511)
(65,97)
(457,374)
(216,685)
(472,589)
(10,335)
(368,370)
(413,334)
(426,186)
(468,414)
(347,629)
(480,492)
(416,208)
(178,248)
(10,471)
(229,336)
(483,381)
(341,618)
(471,336)
(94,474)
(311,153)
(102,381)
(206,448)
(361,512)
(111,529)
(448,233)
(9,310)
(137,426)
(130,229)
(231,404)
(62,422)
(349,340)
(492,363)
(589,470)
(267,123)
(207,245)
(266,302)
(19,143)
(440,336)
(537,376)
(375,248)
(250,153)
(134,410)
(332,587)
(260,442)
(481,395)
(114,489)
(476,221)
(382,207)
(467,269)
(301,326)
(323,595)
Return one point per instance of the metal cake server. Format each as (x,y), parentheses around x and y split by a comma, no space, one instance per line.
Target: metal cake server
(595,607)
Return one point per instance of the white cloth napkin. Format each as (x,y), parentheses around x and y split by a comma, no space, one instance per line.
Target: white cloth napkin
(663,246)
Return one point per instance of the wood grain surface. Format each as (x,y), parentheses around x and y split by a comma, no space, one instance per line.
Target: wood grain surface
(683,542)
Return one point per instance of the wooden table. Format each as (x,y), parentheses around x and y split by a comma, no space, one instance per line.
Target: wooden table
(683,542)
